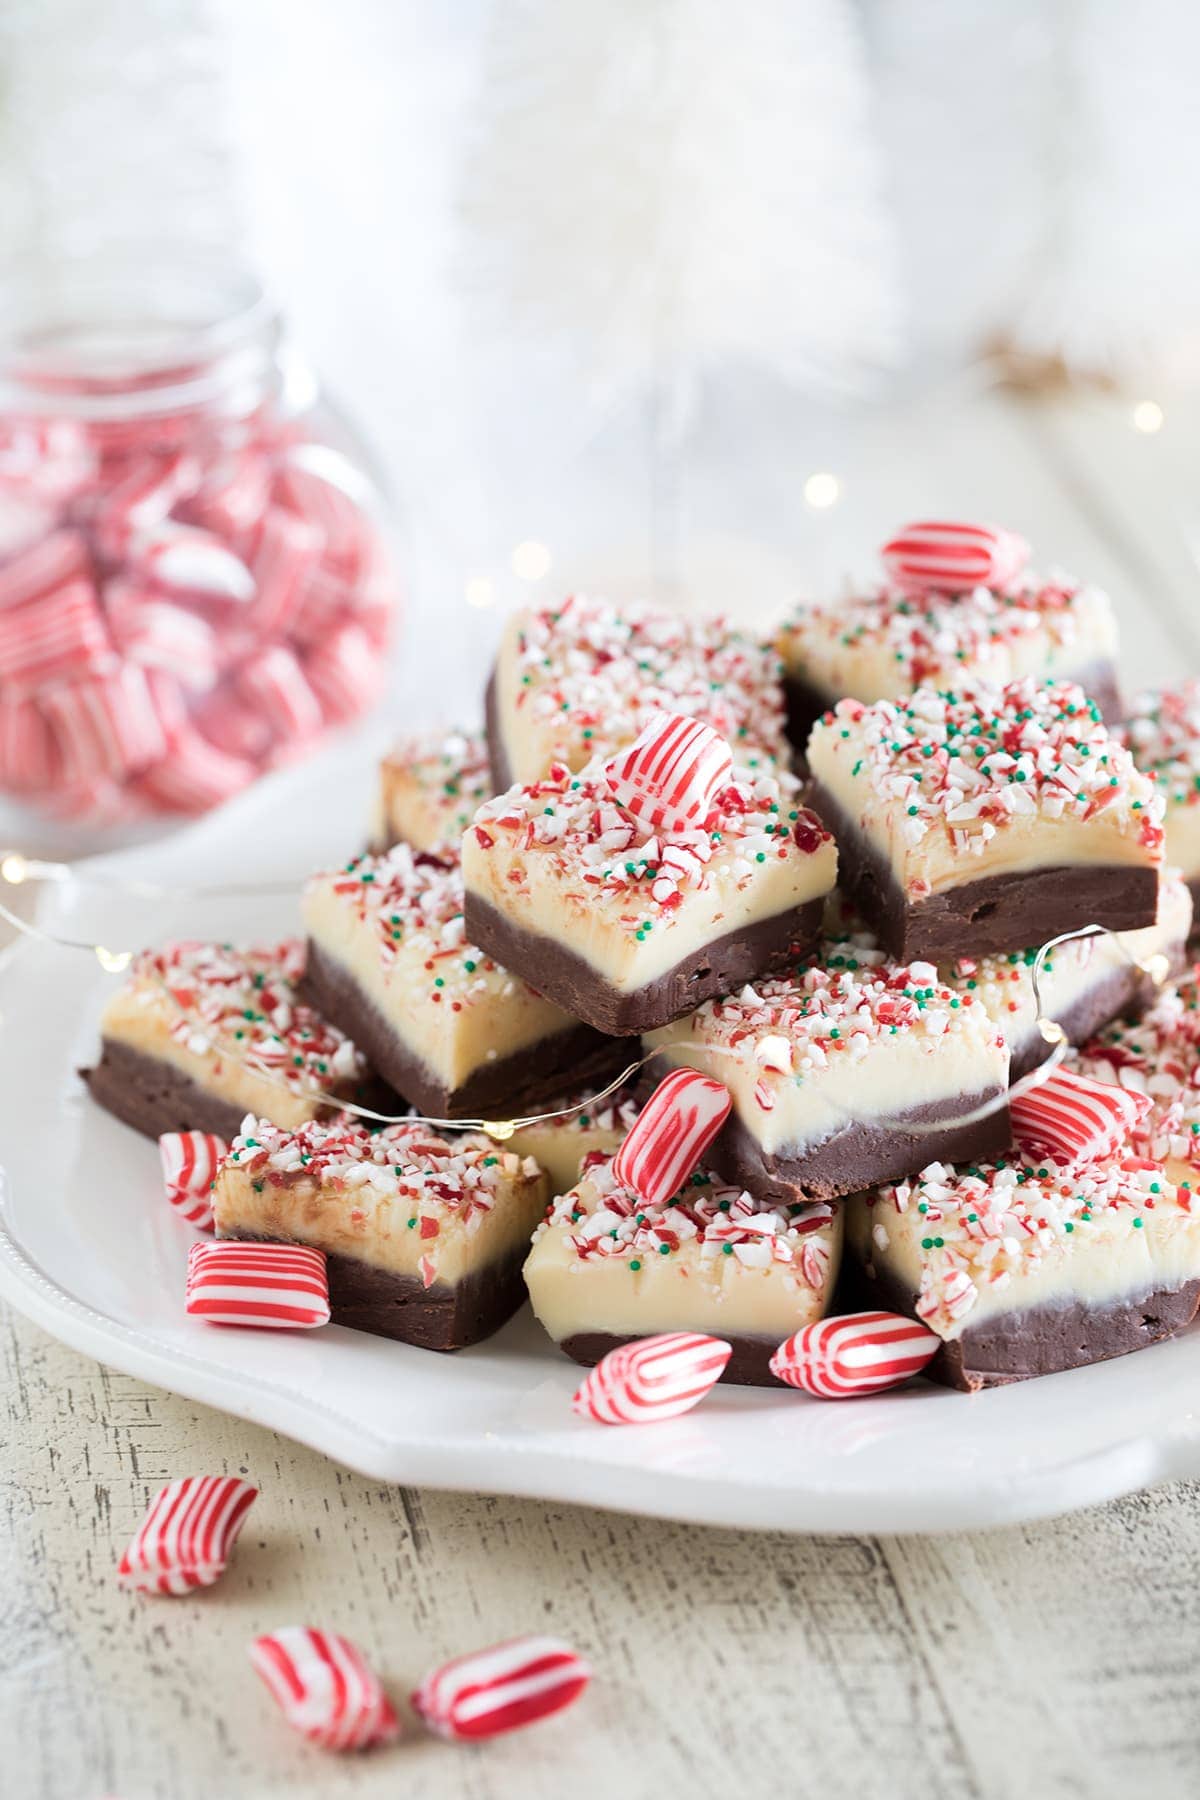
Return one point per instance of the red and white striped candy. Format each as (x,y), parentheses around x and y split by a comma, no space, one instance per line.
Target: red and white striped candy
(195,775)
(1071,1116)
(234,496)
(286,552)
(59,635)
(188,561)
(106,724)
(29,756)
(276,686)
(158,635)
(491,1691)
(190,1160)
(671,1134)
(324,1688)
(185,1539)
(320,485)
(953,558)
(671,774)
(278,1286)
(862,1353)
(345,672)
(43,567)
(654,1378)
(143,498)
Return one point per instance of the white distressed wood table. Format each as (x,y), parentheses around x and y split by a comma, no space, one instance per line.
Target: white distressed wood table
(1057,1660)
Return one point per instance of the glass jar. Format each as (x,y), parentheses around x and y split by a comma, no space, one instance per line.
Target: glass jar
(196,578)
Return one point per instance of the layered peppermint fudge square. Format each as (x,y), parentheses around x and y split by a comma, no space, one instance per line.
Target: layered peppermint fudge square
(442,1021)
(967,613)
(627,924)
(606,1267)
(581,679)
(424,1236)
(560,1145)
(1158,1055)
(1026,1268)
(201,1034)
(1163,735)
(850,1071)
(1084,983)
(429,788)
(970,822)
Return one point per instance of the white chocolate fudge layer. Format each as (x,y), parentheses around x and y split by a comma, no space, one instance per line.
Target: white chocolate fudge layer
(711,1260)
(395,924)
(850,1037)
(1163,735)
(429,788)
(560,1146)
(883,645)
(403,1199)
(974,1243)
(231,1021)
(1159,1056)
(561,858)
(956,787)
(583,678)
(1074,971)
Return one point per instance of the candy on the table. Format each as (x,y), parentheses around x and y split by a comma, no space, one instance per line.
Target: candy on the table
(671,1134)
(325,1688)
(186,1537)
(106,724)
(652,1379)
(186,560)
(278,1286)
(951,558)
(60,635)
(859,1353)
(671,773)
(491,1691)
(190,1160)
(1074,1117)
(275,685)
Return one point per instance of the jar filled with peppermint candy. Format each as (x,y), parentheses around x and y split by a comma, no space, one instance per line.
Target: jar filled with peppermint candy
(196,578)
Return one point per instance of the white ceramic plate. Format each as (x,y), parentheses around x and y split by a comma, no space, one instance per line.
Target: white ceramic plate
(89,1251)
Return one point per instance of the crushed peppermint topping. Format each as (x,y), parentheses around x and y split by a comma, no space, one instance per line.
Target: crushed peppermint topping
(449,774)
(609,1219)
(1159,1056)
(588,836)
(973,762)
(842,1001)
(615,1113)
(940,639)
(414,900)
(464,1175)
(984,1224)
(591,675)
(1163,734)
(242,1004)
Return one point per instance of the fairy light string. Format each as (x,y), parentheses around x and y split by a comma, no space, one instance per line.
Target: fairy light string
(16,869)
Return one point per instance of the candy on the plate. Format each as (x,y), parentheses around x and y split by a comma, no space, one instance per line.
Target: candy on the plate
(954,558)
(325,1688)
(186,1537)
(496,1690)
(190,1160)
(671,1134)
(858,1353)
(1074,1117)
(279,1287)
(655,1378)
(982,820)
(671,774)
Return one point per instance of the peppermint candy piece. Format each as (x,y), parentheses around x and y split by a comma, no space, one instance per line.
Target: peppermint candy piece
(953,559)
(1071,1116)
(186,560)
(671,774)
(324,1688)
(654,1378)
(862,1353)
(185,1539)
(279,1286)
(671,1134)
(190,1160)
(492,1691)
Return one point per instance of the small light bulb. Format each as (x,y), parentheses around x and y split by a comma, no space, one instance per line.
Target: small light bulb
(1052,1031)
(531,560)
(822,489)
(479,591)
(14,868)
(500,1130)
(1148,417)
(1157,968)
(113,961)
